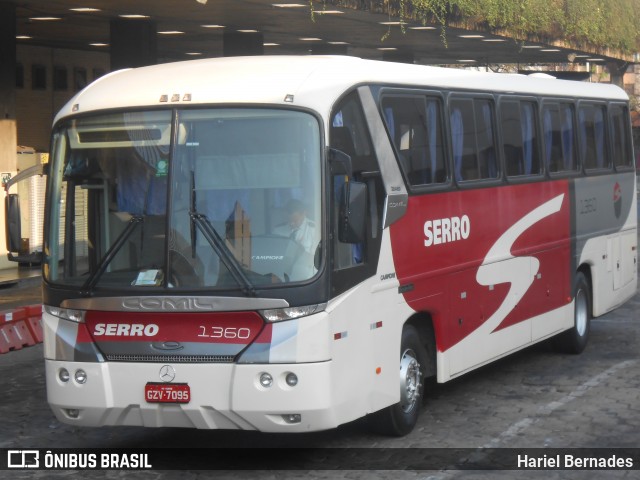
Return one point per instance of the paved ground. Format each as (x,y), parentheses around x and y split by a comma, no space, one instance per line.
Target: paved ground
(535,398)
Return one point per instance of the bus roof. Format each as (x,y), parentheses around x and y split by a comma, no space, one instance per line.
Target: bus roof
(314,82)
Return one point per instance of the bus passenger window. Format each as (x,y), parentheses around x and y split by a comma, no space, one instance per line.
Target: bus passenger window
(473,141)
(559,137)
(520,137)
(414,125)
(593,136)
(620,138)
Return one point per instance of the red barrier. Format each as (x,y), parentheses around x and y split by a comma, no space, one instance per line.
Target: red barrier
(15,335)
(18,329)
(22,334)
(12,315)
(34,321)
(34,310)
(6,339)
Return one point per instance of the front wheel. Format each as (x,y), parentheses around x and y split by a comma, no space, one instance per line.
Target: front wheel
(575,340)
(401,418)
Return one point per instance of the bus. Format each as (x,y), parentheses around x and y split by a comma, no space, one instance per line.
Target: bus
(288,244)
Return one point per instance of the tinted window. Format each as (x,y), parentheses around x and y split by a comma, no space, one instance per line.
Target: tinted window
(350,134)
(414,124)
(352,263)
(60,78)
(592,129)
(558,122)
(620,139)
(38,77)
(520,137)
(472,139)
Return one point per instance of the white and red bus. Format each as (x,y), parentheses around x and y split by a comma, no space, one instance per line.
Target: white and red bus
(286,244)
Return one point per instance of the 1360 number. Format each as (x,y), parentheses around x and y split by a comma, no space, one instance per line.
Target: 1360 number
(241,333)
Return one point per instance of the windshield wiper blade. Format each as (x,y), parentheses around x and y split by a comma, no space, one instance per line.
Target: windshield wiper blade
(111,253)
(218,245)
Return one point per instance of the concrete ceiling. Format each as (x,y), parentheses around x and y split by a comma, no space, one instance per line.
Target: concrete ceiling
(290,30)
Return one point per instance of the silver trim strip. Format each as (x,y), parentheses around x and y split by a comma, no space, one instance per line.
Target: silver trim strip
(174,304)
(397,197)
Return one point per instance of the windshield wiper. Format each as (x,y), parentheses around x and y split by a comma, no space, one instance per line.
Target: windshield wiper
(111,253)
(219,246)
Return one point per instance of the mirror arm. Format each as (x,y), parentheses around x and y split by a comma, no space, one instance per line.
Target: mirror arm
(340,162)
(29,172)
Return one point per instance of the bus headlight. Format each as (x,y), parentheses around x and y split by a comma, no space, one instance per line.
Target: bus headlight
(280,314)
(66,313)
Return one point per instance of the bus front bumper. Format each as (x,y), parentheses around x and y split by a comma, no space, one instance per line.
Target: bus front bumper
(222,396)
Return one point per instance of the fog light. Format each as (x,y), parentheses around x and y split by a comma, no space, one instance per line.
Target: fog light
(292,379)
(81,376)
(73,413)
(266,380)
(63,375)
(291,418)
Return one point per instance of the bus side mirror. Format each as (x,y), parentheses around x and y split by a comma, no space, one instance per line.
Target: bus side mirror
(352,213)
(340,162)
(12,222)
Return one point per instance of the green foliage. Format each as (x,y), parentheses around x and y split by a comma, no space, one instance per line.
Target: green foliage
(603,24)
(611,24)
(430,11)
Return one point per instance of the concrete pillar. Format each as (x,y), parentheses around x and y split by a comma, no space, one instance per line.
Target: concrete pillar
(134,43)
(8,134)
(617,71)
(237,44)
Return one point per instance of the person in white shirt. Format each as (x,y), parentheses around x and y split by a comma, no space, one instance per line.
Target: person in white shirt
(302,231)
(300,228)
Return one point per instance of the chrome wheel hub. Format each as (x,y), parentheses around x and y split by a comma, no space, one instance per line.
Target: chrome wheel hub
(582,312)
(410,377)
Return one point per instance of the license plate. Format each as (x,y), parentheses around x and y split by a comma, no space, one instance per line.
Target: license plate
(167,393)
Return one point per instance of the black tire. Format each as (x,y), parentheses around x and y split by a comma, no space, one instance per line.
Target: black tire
(575,340)
(400,419)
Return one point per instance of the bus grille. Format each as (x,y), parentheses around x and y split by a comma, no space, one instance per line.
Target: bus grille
(171,358)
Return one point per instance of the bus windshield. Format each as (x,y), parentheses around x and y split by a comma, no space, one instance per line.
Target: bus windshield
(208,198)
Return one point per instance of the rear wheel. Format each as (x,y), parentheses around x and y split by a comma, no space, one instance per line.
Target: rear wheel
(401,418)
(575,340)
